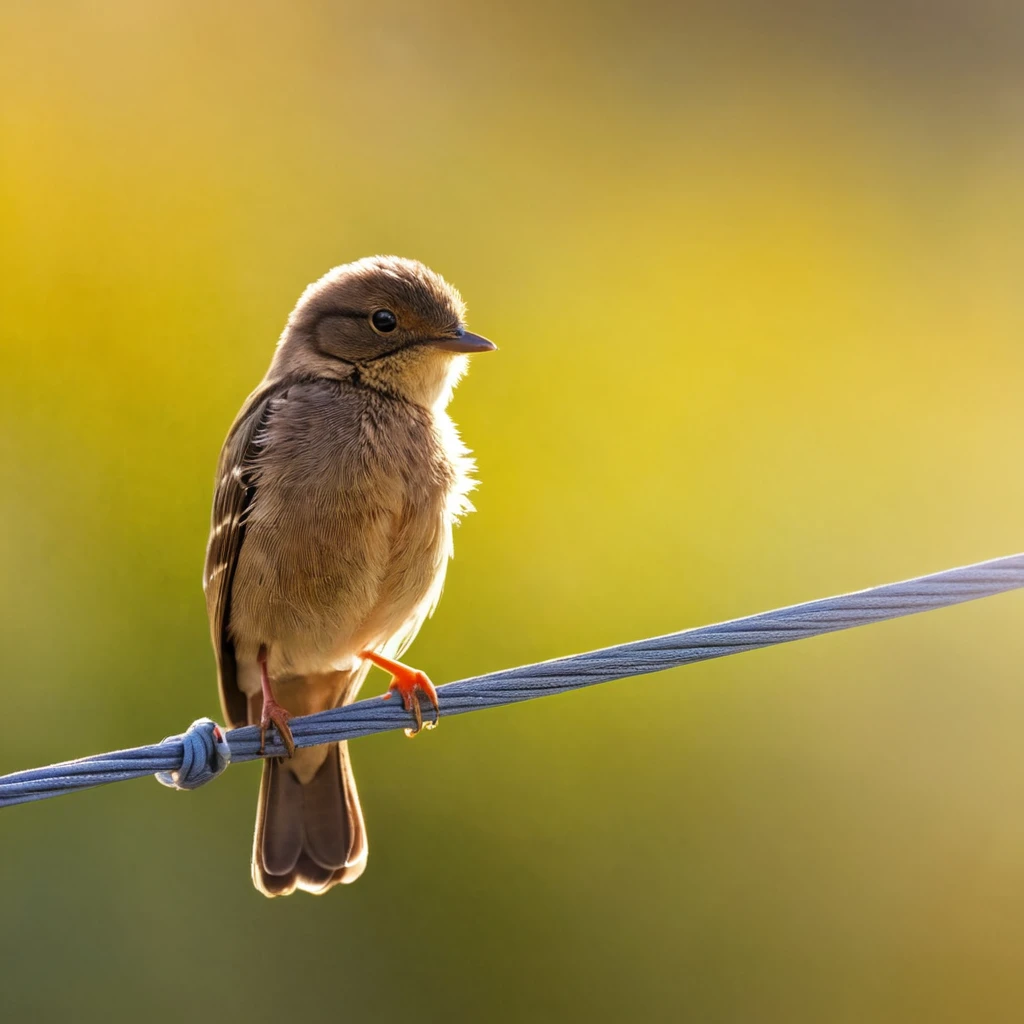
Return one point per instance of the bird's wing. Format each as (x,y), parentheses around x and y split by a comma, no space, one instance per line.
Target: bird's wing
(234,493)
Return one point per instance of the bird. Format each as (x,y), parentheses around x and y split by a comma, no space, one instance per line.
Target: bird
(334,500)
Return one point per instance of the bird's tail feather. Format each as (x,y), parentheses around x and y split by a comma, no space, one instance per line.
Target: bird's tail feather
(308,835)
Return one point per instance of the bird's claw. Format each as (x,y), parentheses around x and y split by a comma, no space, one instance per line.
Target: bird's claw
(407,687)
(406,681)
(274,714)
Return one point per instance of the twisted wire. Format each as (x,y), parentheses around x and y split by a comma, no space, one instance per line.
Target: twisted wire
(202,754)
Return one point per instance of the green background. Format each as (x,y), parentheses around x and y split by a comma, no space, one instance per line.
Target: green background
(755,273)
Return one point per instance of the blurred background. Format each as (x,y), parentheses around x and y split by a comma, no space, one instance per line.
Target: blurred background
(755,273)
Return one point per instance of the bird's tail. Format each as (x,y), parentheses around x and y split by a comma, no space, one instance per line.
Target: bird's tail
(309,835)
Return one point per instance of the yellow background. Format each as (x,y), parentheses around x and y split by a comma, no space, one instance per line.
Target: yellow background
(755,271)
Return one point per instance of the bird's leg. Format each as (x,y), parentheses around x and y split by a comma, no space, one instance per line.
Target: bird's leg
(272,712)
(406,681)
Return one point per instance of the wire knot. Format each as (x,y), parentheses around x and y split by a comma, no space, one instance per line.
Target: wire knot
(204,755)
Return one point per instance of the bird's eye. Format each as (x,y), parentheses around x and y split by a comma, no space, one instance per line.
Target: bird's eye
(384,321)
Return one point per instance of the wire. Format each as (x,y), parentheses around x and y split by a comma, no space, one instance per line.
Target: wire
(203,752)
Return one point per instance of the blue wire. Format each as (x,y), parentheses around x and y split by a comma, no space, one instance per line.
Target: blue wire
(203,752)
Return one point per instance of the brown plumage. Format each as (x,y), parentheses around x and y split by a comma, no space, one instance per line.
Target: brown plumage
(334,501)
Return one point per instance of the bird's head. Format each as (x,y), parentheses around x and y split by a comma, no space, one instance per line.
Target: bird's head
(390,323)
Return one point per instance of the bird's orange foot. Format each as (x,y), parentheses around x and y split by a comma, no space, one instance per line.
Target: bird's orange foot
(274,714)
(406,681)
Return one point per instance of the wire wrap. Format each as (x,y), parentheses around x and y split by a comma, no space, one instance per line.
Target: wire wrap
(204,755)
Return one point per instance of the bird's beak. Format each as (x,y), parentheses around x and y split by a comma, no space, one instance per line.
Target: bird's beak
(464,341)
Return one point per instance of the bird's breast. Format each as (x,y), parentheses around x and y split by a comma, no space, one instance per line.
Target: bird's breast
(348,532)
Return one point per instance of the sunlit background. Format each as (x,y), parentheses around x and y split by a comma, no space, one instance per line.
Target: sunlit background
(756,275)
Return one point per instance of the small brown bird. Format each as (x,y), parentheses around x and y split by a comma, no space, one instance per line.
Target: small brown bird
(335,495)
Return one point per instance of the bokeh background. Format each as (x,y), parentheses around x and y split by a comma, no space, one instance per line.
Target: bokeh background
(755,272)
